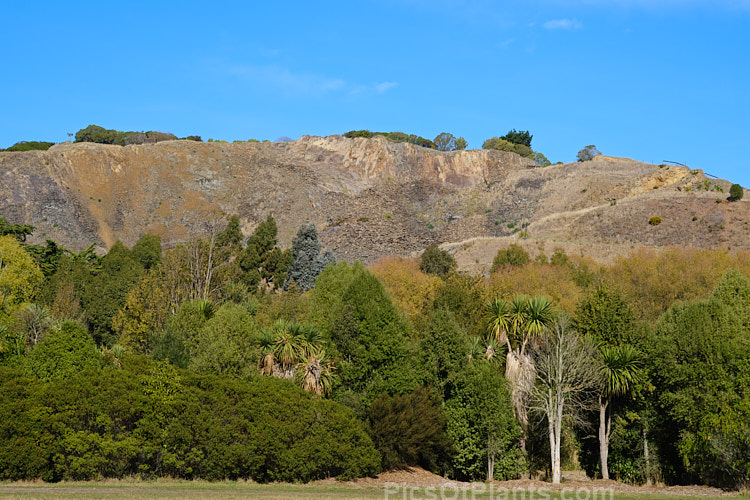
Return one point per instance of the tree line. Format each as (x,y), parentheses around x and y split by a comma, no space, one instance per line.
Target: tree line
(231,357)
(514,141)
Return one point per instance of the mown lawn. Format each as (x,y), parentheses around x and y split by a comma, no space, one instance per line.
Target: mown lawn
(172,489)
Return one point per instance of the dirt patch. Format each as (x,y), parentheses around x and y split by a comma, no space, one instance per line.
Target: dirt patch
(417,477)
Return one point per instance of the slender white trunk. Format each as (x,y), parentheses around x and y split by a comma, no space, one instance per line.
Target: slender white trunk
(552,448)
(490,466)
(603,437)
(555,434)
(646,457)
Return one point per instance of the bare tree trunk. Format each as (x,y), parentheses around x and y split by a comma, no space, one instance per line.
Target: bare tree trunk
(555,435)
(603,437)
(490,465)
(646,456)
(566,378)
(209,264)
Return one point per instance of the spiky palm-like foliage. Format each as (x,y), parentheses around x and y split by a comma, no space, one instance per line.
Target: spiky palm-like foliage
(500,320)
(487,349)
(267,360)
(516,323)
(475,348)
(315,373)
(294,351)
(539,317)
(289,346)
(206,308)
(621,370)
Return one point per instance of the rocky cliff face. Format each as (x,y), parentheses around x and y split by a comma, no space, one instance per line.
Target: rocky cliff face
(368,197)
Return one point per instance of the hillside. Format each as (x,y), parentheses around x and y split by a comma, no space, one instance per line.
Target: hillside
(368,197)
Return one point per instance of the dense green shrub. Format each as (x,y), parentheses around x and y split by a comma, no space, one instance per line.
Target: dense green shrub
(435,260)
(359,133)
(149,419)
(522,137)
(409,429)
(18,231)
(654,220)
(100,135)
(701,371)
(224,344)
(514,255)
(65,351)
(500,144)
(394,137)
(31,146)
(736,192)
(147,251)
(262,261)
(444,350)
(482,425)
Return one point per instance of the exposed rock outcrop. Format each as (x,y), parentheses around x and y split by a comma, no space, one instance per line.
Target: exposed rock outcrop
(368,197)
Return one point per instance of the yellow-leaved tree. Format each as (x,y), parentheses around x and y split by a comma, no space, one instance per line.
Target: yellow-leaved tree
(20,276)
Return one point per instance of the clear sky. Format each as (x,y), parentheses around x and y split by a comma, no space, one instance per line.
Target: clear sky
(652,80)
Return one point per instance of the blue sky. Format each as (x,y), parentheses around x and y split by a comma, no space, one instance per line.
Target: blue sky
(652,80)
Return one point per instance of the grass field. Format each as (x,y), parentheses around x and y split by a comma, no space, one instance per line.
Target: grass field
(172,489)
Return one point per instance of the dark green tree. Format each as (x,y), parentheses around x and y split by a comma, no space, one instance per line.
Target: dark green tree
(147,251)
(437,261)
(700,366)
(522,137)
(368,334)
(261,260)
(65,351)
(736,192)
(483,427)
(409,429)
(95,133)
(307,261)
(104,292)
(31,146)
(514,255)
(231,236)
(18,231)
(605,317)
(359,133)
(444,351)
(47,256)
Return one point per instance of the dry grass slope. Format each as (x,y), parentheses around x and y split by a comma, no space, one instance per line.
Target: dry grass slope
(369,198)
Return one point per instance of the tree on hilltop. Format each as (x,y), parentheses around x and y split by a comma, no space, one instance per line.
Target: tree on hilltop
(588,153)
(522,137)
